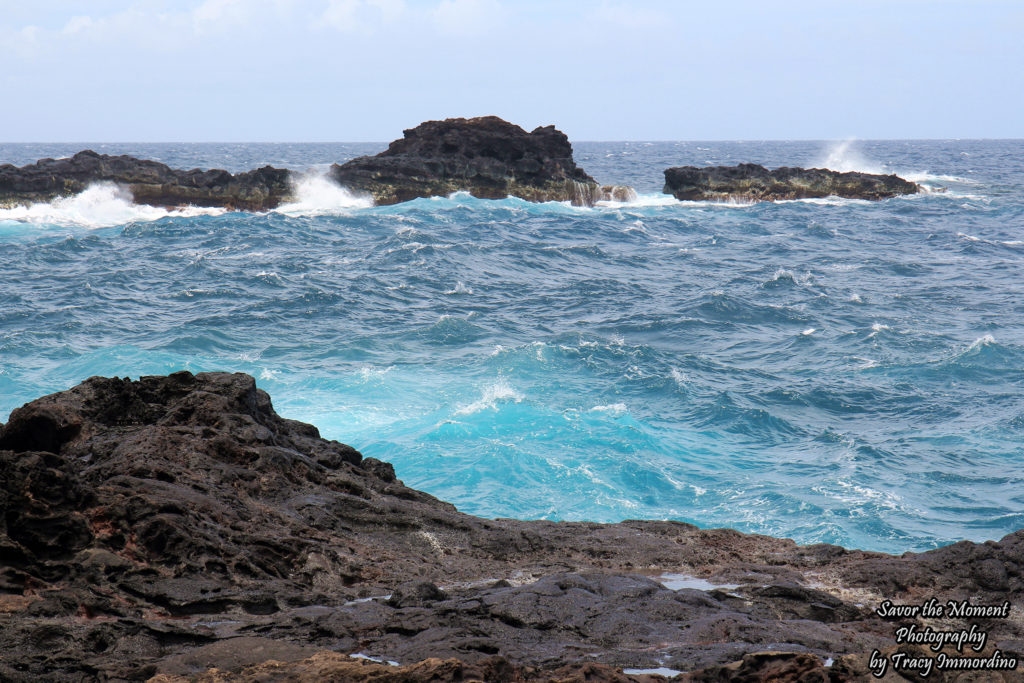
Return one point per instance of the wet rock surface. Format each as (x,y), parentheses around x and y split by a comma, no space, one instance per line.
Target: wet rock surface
(486,156)
(751,182)
(176,527)
(148,182)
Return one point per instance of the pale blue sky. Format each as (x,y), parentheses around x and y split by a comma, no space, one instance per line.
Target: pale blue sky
(362,70)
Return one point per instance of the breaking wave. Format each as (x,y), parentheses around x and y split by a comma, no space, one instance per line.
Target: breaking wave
(316,194)
(100,205)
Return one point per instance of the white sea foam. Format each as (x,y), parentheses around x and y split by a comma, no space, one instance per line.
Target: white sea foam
(491,396)
(640,200)
(928,177)
(459,288)
(316,194)
(100,205)
(978,343)
(614,409)
(831,200)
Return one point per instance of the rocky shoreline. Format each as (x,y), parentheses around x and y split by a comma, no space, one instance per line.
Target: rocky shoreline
(177,529)
(486,157)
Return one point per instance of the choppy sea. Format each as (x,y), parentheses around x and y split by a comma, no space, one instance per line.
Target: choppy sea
(826,370)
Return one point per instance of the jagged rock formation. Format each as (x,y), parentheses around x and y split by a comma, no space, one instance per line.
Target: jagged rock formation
(751,182)
(486,156)
(168,526)
(149,182)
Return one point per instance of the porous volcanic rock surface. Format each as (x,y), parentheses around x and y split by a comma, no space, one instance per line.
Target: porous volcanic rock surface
(751,182)
(149,182)
(177,529)
(486,156)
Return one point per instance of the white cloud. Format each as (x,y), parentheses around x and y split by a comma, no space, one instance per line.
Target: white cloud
(77,25)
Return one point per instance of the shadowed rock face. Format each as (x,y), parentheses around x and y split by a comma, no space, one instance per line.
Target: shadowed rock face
(751,182)
(165,526)
(149,182)
(487,157)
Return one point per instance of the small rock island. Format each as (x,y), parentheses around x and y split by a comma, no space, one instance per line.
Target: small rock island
(486,156)
(752,182)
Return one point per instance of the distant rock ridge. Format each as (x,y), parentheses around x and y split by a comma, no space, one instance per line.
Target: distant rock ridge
(486,156)
(164,526)
(752,182)
(150,182)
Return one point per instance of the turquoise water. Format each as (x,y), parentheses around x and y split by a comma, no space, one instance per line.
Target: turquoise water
(831,370)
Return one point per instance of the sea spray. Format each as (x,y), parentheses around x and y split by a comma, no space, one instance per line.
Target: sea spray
(98,206)
(316,194)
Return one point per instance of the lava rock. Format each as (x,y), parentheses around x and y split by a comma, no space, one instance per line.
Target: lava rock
(147,182)
(751,182)
(486,156)
(160,526)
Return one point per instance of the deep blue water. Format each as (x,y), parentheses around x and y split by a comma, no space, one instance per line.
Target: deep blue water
(836,371)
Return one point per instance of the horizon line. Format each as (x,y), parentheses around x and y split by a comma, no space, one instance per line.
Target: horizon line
(385,142)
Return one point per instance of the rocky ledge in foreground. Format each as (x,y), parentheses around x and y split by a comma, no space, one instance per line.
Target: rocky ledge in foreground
(149,182)
(488,157)
(751,182)
(177,529)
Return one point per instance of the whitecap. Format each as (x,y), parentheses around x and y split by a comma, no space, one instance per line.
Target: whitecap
(491,396)
(615,409)
(980,342)
(459,288)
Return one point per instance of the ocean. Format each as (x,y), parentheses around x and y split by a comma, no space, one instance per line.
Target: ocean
(826,370)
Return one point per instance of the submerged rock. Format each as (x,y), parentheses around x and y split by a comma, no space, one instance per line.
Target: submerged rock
(751,182)
(177,527)
(486,156)
(149,182)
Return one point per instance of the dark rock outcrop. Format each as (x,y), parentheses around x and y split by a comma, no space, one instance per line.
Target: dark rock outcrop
(149,182)
(172,525)
(486,156)
(751,182)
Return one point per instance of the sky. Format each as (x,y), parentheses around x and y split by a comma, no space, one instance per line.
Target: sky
(364,70)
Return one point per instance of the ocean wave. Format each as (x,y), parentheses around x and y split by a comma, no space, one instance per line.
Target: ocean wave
(100,205)
(316,195)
